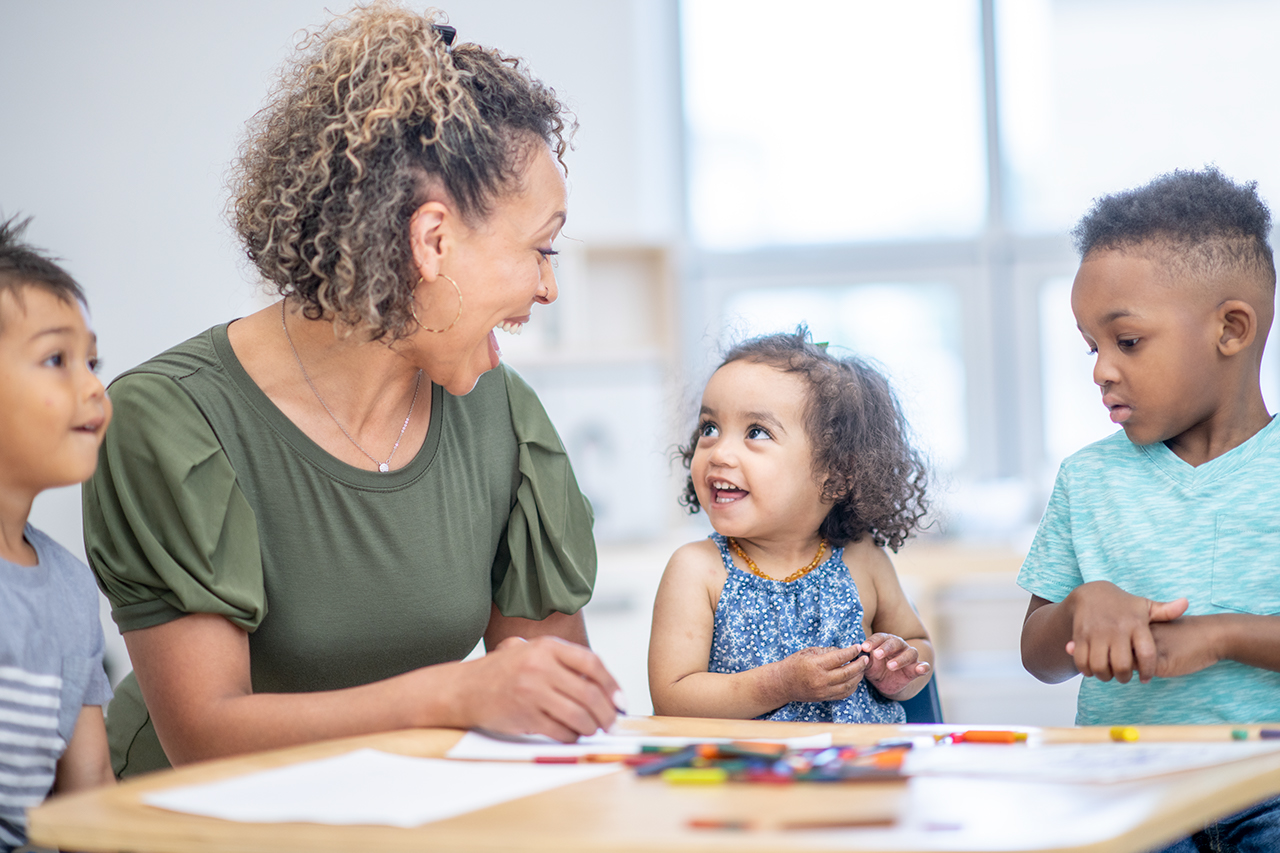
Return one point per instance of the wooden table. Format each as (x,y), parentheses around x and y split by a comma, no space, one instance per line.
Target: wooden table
(620,812)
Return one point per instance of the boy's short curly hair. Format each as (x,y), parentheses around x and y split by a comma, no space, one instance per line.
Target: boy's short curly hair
(23,265)
(1206,223)
(860,439)
(375,109)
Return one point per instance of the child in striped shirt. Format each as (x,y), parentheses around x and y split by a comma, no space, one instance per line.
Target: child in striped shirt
(53,413)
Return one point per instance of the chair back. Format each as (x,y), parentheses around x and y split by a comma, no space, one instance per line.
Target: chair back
(924,707)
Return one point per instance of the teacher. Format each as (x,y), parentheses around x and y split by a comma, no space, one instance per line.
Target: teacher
(305,518)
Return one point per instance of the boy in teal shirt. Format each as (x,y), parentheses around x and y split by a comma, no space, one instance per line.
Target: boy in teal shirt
(1159,552)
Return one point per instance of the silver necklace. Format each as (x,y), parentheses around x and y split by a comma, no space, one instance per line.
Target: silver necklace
(383,466)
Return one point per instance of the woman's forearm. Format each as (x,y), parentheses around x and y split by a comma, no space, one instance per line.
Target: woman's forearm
(195,680)
(250,722)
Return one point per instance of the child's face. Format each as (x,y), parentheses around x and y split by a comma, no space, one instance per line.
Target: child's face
(752,467)
(53,409)
(1155,343)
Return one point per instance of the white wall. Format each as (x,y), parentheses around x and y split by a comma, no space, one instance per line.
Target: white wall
(120,120)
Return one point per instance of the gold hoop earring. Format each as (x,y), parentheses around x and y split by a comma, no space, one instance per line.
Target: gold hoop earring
(413,311)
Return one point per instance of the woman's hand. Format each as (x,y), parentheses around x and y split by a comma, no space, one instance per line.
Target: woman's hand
(820,674)
(894,663)
(541,686)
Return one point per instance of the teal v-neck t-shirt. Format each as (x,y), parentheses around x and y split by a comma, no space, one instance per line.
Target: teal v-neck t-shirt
(207,499)
(1157,527)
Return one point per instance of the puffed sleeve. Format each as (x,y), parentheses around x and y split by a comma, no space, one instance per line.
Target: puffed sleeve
(549,559)
(167,529)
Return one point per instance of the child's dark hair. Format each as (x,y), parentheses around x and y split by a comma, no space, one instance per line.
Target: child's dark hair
(859,436)
(23,265)
(1210,223)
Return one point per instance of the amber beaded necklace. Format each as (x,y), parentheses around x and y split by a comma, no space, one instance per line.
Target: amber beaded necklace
(794,576)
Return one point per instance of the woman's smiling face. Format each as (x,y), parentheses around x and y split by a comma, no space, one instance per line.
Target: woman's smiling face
(502,266)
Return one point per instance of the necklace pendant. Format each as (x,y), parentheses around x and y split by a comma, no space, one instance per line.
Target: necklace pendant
(383,467)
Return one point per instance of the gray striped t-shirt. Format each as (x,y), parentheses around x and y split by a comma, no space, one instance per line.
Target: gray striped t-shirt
(50,667)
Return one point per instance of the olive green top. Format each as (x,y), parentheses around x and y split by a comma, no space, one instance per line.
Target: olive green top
(207,499)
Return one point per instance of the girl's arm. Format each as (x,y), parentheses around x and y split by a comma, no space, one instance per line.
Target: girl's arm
(680,649)
(195,678)
(86,763)
(900,650)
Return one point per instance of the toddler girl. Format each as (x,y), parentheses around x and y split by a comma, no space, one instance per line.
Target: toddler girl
(792,610)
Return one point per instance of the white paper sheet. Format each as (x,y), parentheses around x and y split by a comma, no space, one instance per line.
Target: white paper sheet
(489,747)
(370,787)
(1088,762)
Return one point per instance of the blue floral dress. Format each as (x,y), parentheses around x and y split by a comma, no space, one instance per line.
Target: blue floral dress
(760,621)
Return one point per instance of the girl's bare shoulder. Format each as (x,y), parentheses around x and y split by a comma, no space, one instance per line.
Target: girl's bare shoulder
(700,558)
(693,569)
(865,555)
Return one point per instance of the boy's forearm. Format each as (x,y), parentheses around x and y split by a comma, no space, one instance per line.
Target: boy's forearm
(86,763)
(1045,634)
(1247,638)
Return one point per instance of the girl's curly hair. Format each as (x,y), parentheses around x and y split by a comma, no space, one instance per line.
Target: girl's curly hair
(861,447)
(374,109)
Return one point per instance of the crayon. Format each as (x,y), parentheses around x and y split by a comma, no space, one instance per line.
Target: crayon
(639,759)
(605,758)
(555,759)
(667,761)
(1269,734)
(835,823)
(981,736)
(1239,734)
(747,748)
(695,775)
(1126,734)
(719,823)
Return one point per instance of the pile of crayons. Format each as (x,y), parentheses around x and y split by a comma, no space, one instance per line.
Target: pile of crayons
(769,763)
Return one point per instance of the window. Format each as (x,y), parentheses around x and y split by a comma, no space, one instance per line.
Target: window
(924,366)
(837,157)
(832,121)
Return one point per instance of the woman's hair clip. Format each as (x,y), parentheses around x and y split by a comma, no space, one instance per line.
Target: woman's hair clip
(447,34)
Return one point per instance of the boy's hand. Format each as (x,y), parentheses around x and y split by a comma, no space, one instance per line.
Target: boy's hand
(822,674)
(1185,645)
(893,663)
(1111,631)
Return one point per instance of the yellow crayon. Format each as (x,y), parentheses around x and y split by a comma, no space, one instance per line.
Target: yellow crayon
(695,775)
(1127,734)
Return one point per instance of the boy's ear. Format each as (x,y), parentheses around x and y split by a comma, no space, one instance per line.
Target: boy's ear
(428,237)
(1238,326)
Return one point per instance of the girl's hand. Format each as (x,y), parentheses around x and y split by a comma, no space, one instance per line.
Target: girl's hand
(893,663)
(821,674)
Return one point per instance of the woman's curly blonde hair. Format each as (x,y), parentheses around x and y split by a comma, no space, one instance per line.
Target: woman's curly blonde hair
(375,108)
